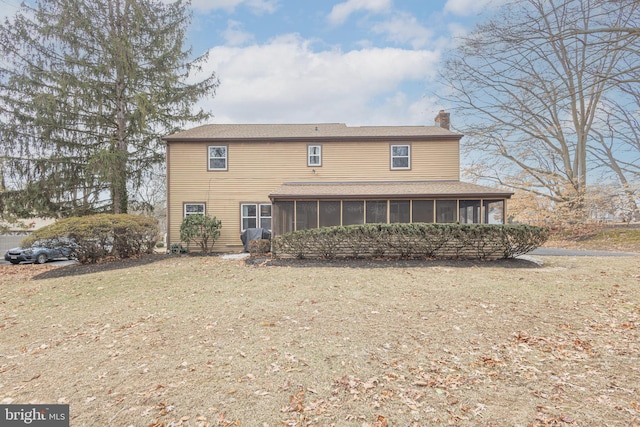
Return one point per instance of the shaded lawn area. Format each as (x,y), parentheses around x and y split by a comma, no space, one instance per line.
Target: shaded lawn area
(202,341)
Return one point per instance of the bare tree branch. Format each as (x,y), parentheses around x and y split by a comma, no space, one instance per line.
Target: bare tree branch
(536,84)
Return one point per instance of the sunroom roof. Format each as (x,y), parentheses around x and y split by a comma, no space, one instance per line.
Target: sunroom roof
(385,189)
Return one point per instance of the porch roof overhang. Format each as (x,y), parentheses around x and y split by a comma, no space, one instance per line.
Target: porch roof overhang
(385,190)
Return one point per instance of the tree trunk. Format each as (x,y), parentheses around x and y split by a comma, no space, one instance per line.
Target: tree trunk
(119,177)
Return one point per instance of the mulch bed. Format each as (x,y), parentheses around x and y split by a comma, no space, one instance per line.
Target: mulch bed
(385,263)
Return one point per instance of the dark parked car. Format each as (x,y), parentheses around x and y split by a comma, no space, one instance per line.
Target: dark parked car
(42,251)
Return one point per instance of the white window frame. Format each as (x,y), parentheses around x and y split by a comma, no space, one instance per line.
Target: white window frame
(204,209)
(408,157)
(261,217)
(310,155)
(258,217)
(243,216)
(225,157)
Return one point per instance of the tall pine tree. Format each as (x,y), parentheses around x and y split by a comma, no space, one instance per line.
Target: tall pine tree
(87,89)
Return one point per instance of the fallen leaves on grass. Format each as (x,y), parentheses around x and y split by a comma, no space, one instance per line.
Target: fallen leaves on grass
(413,346)
(20,273)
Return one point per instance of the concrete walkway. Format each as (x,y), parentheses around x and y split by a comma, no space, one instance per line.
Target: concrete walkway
(577,252)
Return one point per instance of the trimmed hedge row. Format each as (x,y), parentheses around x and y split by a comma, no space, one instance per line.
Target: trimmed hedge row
(102,235)
(417,240)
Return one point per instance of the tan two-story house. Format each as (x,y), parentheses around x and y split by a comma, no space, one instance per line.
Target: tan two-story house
(286,177)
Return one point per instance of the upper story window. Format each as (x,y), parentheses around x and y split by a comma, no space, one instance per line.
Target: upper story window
(314,155)
(400,157)
(193,209)
(217,158)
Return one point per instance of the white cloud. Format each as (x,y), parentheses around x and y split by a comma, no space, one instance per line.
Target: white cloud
(470,7)
(404,28)
(234,35)
(457,30)
(341,12)
(257,7)
(286,81)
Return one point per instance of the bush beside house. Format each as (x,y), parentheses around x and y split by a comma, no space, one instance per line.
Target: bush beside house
(259,247)
(201,229)
(102,235)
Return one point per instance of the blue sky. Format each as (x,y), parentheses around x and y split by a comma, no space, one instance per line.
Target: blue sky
(359,62)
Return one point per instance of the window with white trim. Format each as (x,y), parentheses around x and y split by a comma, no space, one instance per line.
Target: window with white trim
(265,216)
(314,155)
(255,215)
(400,157)
(194,209)
(217,158)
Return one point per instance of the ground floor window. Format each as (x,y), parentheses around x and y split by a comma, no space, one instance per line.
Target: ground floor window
(255,215)
(194,209)
(265,215)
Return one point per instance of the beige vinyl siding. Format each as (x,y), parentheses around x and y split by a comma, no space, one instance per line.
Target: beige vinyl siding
(255,169)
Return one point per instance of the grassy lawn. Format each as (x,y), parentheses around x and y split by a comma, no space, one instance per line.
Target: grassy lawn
(202,341)
(617,238)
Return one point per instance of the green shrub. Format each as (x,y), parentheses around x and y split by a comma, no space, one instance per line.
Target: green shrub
(417,240)
(202,229)
(102,235)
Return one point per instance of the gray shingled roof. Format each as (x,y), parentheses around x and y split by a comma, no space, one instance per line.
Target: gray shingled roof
(327,190)
(312,130)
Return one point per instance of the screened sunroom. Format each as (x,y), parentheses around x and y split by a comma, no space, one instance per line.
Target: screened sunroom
(299,206)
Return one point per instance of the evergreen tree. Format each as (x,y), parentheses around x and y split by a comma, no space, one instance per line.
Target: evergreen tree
(87,89)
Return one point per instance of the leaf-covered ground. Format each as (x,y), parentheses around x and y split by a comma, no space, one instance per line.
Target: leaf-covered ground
(202,341)
(599,237)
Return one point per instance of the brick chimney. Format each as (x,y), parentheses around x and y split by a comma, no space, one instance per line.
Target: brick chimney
(442,120)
